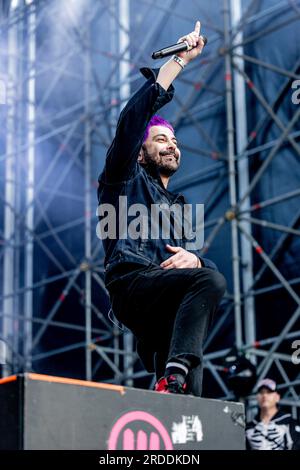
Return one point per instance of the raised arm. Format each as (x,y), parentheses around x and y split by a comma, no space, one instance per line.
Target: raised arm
(169,71)
(121,159)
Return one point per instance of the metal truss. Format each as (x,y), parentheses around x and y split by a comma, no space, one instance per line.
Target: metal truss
(77,130)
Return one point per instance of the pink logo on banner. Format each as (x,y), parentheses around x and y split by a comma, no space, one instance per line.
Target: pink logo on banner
(141,440)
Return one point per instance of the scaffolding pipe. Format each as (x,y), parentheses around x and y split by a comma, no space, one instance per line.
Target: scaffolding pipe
(88,211)
(10,198)
(114,98)
(232,180)
(243,172)
(29,218)
(124,96)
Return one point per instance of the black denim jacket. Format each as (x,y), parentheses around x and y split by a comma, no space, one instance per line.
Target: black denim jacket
(124,176)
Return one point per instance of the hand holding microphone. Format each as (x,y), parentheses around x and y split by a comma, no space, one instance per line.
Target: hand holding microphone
(188,47)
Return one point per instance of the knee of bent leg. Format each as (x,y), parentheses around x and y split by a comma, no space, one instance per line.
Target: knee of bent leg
(217,283)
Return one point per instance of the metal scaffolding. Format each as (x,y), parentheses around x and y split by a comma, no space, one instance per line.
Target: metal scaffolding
(52,109)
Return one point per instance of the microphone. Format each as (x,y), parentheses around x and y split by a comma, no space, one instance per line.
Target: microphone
(174,49)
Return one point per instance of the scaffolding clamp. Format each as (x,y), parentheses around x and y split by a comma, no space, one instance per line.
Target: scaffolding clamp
(230,214)
(84,266)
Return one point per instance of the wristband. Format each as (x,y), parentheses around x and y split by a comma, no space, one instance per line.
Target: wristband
(179,61)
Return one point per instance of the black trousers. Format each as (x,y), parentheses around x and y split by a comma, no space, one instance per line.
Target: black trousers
(169,311)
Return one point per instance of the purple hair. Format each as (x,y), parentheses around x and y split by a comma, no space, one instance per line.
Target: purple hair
(156,120)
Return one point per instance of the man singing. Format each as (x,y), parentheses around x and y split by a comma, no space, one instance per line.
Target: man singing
(163,292)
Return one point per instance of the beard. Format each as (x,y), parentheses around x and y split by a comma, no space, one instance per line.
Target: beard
(166,162)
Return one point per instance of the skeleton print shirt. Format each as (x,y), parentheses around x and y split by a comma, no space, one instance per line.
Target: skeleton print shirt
(281,433)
